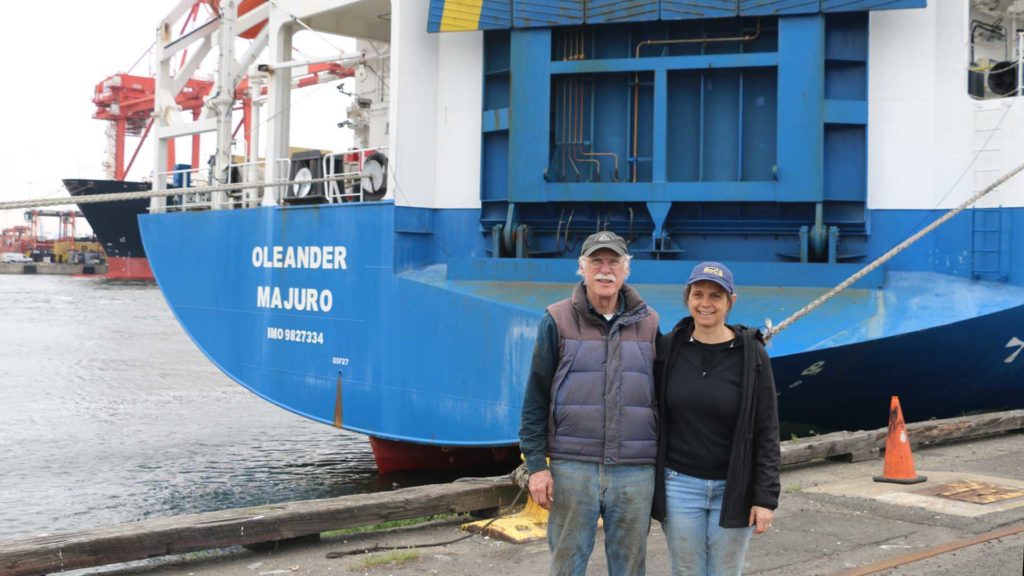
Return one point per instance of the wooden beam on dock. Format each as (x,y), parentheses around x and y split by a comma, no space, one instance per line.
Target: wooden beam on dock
(853,444)
(189,533)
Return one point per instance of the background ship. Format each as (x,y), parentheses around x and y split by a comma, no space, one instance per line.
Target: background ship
(116,226)
(744,131)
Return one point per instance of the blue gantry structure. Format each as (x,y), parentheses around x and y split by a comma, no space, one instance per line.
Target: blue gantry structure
(682,131)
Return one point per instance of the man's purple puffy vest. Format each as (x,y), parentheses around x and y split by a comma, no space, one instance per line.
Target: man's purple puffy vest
(602,395)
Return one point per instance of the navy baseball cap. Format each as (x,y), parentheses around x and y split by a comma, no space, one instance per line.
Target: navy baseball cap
(714,272)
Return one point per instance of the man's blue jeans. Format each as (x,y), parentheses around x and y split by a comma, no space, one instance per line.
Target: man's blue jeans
(697,545)
(585,491)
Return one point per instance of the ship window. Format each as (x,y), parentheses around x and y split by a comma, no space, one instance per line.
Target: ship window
(994,35)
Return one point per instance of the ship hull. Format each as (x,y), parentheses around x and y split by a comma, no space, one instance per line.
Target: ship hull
(116,225)
(392,457)
(419,355)
(950,370)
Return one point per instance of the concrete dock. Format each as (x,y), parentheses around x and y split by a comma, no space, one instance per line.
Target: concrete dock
(832,519)
(52,268)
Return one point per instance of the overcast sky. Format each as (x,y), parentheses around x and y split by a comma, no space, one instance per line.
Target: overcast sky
(54,62)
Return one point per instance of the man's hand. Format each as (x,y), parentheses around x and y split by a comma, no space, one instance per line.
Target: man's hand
(542,488)
(760,517)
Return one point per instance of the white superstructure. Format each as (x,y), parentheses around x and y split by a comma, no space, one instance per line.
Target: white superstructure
(925,129)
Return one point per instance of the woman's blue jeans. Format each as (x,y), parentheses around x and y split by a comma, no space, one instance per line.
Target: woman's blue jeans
(697,545)
(586,491)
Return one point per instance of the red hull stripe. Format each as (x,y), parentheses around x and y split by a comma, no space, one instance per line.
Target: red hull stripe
(394,456)
(121,268)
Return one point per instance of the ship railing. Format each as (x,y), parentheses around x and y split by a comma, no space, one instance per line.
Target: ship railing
(346,166)
(185,178)
(254,172)
(240,172)
(284,166)
(348,190)
(334,190)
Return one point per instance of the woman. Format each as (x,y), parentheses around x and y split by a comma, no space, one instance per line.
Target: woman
(718,450)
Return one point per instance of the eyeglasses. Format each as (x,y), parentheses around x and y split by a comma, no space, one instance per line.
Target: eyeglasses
(598,263)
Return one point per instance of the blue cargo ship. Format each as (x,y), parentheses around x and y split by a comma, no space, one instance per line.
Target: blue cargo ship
(796,140)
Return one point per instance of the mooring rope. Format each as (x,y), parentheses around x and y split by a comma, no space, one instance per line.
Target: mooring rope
(143,194)
(773,330)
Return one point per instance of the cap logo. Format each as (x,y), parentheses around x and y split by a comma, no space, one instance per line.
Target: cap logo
(605,238)
(713,270)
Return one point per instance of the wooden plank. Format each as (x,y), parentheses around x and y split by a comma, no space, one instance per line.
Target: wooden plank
(950,429)
(925,433)
(831,445)
(189,533)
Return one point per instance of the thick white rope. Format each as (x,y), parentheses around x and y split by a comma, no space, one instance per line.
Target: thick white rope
(142,194)
(773,330)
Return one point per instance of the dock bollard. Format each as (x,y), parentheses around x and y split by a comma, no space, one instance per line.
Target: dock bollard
(527,525)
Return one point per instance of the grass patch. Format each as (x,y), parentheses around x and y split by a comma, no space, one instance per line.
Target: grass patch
(793,489)
(389,524)
(396,558)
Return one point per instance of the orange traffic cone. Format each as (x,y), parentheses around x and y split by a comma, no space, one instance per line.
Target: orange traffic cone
(899,463)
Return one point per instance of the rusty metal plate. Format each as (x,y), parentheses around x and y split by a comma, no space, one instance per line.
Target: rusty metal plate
(975,492)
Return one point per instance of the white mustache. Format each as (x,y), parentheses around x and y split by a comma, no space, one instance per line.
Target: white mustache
(600,276)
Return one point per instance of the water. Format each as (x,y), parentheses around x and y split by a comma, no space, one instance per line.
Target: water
(109,414)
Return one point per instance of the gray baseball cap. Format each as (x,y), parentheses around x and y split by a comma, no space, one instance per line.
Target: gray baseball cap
(604,239)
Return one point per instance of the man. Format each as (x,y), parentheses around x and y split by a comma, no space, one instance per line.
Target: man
(589,405)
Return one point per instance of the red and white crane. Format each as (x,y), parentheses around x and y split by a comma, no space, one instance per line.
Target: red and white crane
(127,101)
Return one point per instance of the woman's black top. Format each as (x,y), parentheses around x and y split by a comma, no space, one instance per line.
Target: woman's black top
(753,474)
(702,403)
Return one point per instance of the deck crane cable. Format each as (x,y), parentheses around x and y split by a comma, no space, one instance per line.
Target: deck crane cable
(772,331)
(147,52)
(292,103)
(329,43)
(397,187)
(263,123)
(299,21)
(141,56)
(977,154)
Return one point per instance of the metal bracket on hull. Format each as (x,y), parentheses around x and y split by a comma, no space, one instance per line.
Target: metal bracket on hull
(660,241)
(510,239)
(819,243)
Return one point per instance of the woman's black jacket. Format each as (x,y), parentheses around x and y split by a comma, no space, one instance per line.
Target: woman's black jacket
(753,476)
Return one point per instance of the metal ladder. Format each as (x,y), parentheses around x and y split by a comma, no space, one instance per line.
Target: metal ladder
(987,245)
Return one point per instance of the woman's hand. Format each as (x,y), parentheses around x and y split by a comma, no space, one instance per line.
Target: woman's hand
(761,518)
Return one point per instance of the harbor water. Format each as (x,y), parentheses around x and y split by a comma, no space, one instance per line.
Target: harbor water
(109,414)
